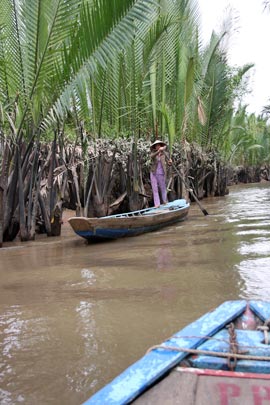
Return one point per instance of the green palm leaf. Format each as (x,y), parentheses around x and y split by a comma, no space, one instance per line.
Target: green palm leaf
(99,39)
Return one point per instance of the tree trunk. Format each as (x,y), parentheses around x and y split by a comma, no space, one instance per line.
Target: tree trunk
(22,221)
(56,220)
(44,213)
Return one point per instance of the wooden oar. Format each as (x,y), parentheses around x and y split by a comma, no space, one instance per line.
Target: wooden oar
(188,188)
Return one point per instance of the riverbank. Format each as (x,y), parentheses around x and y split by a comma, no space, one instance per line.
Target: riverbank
(110,177)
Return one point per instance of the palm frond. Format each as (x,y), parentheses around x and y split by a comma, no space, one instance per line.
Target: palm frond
(100,38)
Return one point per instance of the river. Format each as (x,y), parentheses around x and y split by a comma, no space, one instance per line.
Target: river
(73,316)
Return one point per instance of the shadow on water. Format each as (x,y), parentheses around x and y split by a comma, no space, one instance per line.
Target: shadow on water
(73,315)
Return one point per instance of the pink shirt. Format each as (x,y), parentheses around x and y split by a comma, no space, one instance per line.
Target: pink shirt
(159,167)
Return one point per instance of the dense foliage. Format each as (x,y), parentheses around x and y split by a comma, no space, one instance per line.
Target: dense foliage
(124,68)
(91,69)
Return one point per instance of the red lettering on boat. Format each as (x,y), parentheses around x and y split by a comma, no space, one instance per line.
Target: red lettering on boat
(260,394)
(228,391)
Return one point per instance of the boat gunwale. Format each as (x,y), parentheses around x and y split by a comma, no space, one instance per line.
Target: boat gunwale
(157,362)
(153,212)
(102,222)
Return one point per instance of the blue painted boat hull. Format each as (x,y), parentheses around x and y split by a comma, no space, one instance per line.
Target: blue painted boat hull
(130,224)
(208,333)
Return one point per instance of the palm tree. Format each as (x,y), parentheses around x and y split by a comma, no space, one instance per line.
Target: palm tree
(49,49)
(133,67)
(248,140)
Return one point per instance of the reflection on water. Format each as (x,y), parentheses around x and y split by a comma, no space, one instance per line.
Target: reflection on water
(255,273)
(72,315)
(258,247)
(252,210)
(164,258)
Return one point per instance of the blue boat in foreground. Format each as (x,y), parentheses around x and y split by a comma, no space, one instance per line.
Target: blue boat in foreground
(221,358)
(130,223)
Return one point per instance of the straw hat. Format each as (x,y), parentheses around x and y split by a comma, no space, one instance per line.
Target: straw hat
(158,142)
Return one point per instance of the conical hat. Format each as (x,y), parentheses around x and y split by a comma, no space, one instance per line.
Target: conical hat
(158,142)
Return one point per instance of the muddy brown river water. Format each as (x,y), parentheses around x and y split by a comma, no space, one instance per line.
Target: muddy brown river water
(73,316)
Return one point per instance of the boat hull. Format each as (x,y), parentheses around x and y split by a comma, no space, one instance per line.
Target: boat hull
(203,348)
(189,386)
(130,224)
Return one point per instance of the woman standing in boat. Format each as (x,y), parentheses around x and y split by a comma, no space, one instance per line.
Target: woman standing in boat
(158,171)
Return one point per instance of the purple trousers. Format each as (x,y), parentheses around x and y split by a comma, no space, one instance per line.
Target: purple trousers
(158,182)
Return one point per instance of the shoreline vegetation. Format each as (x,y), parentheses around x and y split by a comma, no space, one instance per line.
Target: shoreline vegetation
(107,178)
(87,85)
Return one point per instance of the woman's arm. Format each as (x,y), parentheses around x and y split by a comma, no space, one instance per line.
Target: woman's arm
(159,151)
(154,154)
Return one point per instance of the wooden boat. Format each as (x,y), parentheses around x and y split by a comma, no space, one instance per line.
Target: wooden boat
(221,358)
(131,223)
